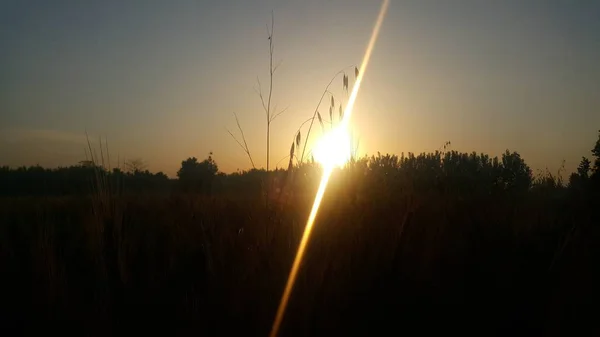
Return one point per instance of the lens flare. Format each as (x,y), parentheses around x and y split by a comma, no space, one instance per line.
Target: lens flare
(332,153)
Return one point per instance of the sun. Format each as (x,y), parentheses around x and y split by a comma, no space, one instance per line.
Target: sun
(333,149)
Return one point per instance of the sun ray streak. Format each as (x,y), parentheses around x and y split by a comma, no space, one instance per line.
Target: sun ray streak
(325,178)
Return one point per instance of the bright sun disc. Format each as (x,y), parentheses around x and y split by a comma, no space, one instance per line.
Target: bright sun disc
(333,149)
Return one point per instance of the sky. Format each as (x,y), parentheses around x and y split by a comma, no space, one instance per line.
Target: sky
(160,80)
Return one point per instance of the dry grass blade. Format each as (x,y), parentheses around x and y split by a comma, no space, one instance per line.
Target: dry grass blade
(345,82)
(262,100)
(320,120)
(316,111)
(244,146)
(279,113)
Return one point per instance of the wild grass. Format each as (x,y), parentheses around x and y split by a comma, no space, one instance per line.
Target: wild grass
(389,254)
(439,242)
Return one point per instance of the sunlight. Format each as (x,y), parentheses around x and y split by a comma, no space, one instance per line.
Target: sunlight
(333,149)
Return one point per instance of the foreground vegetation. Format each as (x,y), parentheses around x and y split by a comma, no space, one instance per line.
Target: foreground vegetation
(446,242)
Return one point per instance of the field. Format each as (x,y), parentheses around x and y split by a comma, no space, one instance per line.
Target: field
(396,248)
(283,93)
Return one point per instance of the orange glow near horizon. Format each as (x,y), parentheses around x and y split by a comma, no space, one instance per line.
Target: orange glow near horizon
(331,155)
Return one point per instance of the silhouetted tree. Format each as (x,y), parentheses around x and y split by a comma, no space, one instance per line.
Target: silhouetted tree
(580,179)
(197,176)
(516,175)
(135,165)
(583,170)
(587,176)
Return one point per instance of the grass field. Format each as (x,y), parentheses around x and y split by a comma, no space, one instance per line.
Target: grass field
(386,256)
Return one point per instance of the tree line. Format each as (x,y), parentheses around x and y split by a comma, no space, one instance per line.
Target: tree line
(453,171)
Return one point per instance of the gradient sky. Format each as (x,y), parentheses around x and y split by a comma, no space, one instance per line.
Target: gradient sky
(160,79)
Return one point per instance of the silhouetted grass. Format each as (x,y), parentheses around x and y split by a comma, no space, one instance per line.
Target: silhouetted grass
(386,256)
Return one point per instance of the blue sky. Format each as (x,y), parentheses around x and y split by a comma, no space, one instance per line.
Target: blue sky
(161,79)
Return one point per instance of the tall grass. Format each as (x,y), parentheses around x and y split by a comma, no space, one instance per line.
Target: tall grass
(389,252)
